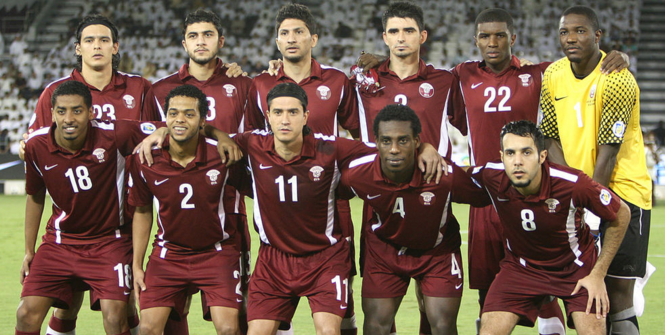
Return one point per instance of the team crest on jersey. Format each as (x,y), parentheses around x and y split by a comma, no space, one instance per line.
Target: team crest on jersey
(592,92)
(100,155)
(551,204)
(129,100)
(427,198)
(526,79)
(213,176)
(323,92)
(148,128)
(619,128)
(605,197)
(230,90)
(315,173)
(426,90)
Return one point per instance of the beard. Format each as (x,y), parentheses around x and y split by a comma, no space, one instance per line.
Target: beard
(203,60)
(293,58)
(522,183)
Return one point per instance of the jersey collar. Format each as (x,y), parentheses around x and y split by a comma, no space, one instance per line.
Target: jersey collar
(315,73)
(116,81)
(308,148)
(384,69)
(506,189)
(184,74)
(201,157)
(514,63)
(416,179)
(53,146)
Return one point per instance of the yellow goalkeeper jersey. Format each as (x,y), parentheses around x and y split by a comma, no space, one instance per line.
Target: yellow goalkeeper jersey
(596,110)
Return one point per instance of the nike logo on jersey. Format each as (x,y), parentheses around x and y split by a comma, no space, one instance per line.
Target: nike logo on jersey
(473,87)
(238,300)
(557,98)
(157,183)
(370,197)
(458,286)
(497,198)
(263,167)
(127,292)
(50,167)
(342,306)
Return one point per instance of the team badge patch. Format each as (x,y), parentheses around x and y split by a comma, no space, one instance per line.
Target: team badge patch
(605,197)
(129,100)
(592,92)
(213,176)
(551,204)
(526,79)
(100,155)
(315,173)
(148,128)
(323,92)
(230,90)
(619,128)
(427,198)
(426,90)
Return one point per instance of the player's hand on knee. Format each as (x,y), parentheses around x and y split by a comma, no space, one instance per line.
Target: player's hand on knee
(233,70)
(614,61)
(139,283)
(595,284)
(273,67)
(25,267)
(154,140)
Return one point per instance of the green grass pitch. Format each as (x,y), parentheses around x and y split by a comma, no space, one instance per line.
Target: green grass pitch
(11,257)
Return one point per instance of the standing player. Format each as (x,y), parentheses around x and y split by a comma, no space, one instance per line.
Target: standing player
(549,250)
(74,159)
(195,246)
(331,97)
(594,121)
(413,233)
(203,37)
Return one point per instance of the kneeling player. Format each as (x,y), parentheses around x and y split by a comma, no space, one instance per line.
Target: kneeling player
(194,249)
(549,250)
(413,233)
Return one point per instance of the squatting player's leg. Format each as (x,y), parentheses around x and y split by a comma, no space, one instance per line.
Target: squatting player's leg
(442,314)
(262,327)
(327,323)
(31,313)
(153,320)
(114,314)
(225,320)
(498,323)
(588,324)
(380,314)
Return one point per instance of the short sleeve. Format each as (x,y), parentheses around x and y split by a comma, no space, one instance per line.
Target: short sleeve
(149,110)
(139,193)
(130,133)
(34,181)
(348,150)
(348,107)
(254,118)
(466,190)
(549,125)
(457,105)
(597,198)
(619,99)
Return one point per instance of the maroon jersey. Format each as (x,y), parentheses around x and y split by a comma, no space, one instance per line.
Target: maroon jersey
(545,230)
(428,93)
(492,100)
(190,209)
(330,95)
(127,96)
(415,214)
(87,186)
(294,201)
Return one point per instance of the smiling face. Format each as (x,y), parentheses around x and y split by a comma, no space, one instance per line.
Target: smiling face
(397,149)
(522,162)
(494,41)
(287,119)
(202,42)
(579,41)
(183,119)
(294,40)
(403,37)
(96,47)
(71,117)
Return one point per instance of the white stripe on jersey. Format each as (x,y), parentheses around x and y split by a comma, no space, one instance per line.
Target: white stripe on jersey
(57,80)
(258,218)
(161,111)
(472,158)
(324,137)
(120,185)
(572,234)
(221,213)
(362,161)
(563,175)
(258,103)
(56,223)
(364,135)
(495,166)
(38,132)
(36,167)
(444,143)
(102,125)
(161,242)
(444,216)
(162,78)
(331,205)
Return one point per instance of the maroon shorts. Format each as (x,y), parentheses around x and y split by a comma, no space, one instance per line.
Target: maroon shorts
(523,289)
(280,279)
(170,280)
(243,241)
(485,247)
(388,270)
(57,270)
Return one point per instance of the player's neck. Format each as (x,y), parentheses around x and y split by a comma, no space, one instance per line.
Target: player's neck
(183,153)
(399,178)
(300,70)
(499,67)
(71,145)
(534,185)
(202,72)
(98,79)
(288,150)
(586,66)
(405,67)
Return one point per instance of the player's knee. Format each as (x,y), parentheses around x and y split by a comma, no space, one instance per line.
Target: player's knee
(146,327)
(27,317)
(117,319)
(327,331)
(227,329)
(443,326)
(65,314)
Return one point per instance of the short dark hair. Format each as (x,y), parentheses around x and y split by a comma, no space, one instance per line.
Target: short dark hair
(203,15)
(72,87)
(495,15)
(94,19)
(191,92)
(397,113)
(524,128)
(289,90)
(405,10)
(298,12)
(586,11)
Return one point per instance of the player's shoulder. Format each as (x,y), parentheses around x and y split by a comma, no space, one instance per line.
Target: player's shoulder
(54,84)
(558,66)
(621,78)
(467,66)
(564,173)
(39,135)
(433,70)
(363,161)
(263,79)
(167,80)
(333,72)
